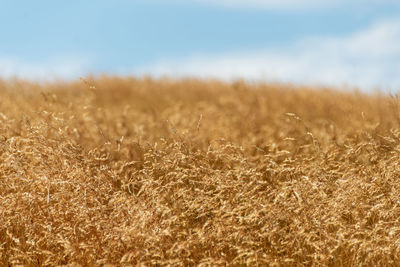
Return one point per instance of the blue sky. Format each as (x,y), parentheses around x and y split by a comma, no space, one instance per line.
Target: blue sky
(331,42)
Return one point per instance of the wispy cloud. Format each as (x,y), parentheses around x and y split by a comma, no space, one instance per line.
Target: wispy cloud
(289,4)
(61,68)
(367,59)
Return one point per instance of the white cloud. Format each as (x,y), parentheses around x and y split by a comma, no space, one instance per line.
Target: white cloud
(269,4)
(367,59)
(61,68)
(289,4)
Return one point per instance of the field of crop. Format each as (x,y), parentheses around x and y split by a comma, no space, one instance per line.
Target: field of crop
(124,171)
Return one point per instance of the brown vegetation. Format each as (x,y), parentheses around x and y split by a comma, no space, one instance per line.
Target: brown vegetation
(122,171)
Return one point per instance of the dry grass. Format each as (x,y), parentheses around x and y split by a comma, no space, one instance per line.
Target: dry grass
(123,171)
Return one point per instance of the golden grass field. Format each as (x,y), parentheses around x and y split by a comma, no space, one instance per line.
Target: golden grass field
(112,171)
